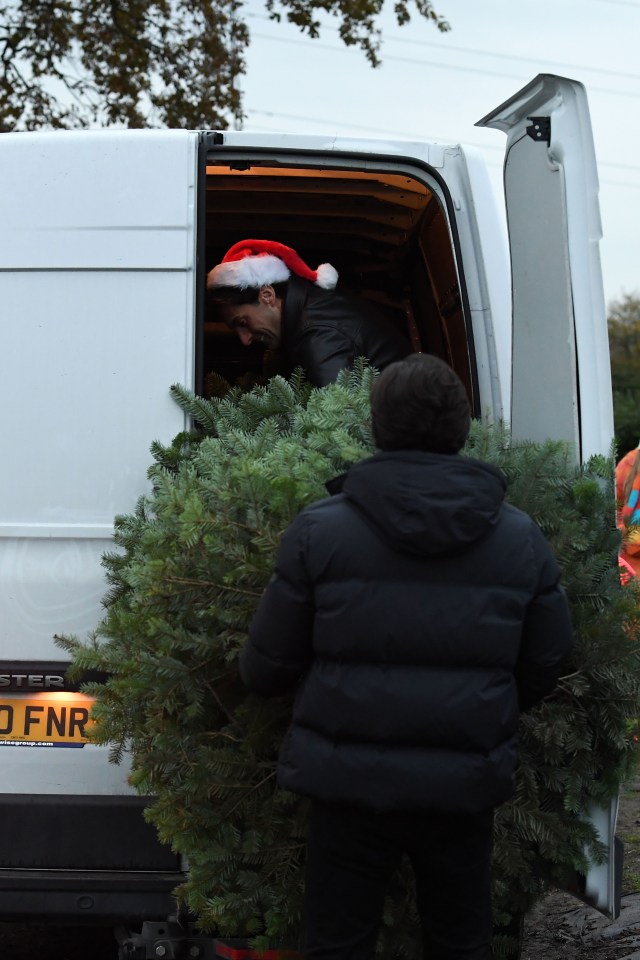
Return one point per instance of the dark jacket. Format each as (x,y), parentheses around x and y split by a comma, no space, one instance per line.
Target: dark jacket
(324,331)
(422,614)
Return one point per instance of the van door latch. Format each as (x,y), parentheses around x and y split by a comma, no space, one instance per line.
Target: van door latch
(540,128)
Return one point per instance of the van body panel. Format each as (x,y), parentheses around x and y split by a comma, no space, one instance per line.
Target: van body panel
(483,243)
(114,200)
(82,772)
(561,375)
(102,398)
(91,333)
(50,579)
(97,282)
(84,340)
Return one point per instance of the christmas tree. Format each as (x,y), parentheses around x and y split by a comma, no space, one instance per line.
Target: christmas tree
(186,575)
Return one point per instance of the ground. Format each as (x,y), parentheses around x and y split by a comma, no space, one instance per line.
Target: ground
(560,928)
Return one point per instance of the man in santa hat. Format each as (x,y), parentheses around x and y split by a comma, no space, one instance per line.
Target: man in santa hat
(267,294)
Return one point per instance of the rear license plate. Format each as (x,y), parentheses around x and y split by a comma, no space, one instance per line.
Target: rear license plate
(48,719)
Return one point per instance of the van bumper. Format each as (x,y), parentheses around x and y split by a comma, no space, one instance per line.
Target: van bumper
(93,896)
(72,856)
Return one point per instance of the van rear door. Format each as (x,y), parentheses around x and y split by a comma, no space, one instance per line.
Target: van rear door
(97,246)
(561,375)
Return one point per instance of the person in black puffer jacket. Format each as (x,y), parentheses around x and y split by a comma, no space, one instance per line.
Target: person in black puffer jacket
(267,294)
(418,614)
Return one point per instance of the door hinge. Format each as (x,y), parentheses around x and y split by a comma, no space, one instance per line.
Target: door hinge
(212,139)
(540,128)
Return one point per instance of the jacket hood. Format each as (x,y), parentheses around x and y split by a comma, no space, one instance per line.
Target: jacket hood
(427,503)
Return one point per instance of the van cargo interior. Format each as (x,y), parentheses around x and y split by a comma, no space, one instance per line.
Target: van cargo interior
(385,233)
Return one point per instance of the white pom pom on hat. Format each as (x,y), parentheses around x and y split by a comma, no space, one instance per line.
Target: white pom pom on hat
(258,263)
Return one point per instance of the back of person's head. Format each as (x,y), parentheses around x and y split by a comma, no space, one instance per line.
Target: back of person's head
(419,403)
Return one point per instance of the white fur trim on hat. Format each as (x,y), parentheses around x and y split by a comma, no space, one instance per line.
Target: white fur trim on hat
(249,272)
(327,276)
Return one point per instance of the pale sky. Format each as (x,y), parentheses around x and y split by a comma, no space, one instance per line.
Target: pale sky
(435,86)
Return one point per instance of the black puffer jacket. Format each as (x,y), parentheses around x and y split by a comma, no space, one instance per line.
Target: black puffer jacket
(324,331)
(422,614)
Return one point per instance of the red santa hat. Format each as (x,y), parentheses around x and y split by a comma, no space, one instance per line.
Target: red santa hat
(257,263)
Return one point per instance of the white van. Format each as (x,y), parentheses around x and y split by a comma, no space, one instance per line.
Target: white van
(105,241)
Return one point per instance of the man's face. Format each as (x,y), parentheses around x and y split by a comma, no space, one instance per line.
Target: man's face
(259,322)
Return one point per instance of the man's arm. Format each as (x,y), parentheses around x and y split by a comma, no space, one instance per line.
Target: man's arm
(547,636)
(322,352)
(279,648)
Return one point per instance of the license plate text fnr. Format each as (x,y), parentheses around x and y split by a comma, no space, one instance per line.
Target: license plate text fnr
(57,718)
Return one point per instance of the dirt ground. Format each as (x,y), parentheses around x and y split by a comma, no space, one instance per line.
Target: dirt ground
(560,928)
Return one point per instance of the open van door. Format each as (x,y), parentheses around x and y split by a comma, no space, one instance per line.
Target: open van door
(561,375)
(561,378)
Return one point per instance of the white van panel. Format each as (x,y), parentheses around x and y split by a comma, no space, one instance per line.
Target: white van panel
(102,402)
(561,375)
(113,200)
(48,581)
(483,242)
(431,153)
(98,301)
(78,772)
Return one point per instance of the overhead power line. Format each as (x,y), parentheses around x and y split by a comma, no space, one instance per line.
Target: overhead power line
(621,3)
(446,47)
(318,45)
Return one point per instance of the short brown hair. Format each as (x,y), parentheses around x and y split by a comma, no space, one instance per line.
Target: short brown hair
(238,296)
(419,403)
